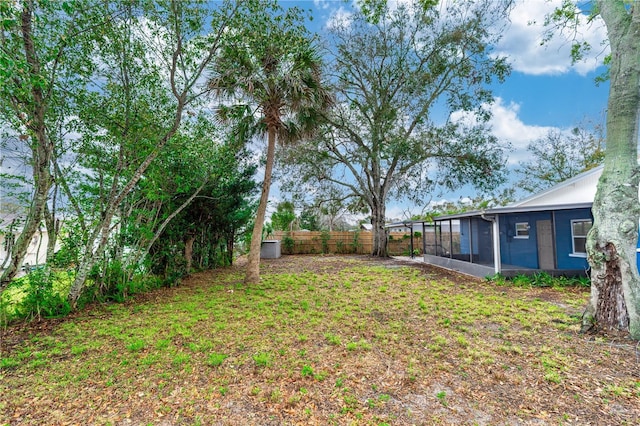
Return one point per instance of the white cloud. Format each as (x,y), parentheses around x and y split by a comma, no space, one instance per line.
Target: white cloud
(522,41)
(507,126)
(322,4)
(340,18)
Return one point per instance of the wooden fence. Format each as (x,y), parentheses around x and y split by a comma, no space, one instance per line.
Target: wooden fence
(341,242)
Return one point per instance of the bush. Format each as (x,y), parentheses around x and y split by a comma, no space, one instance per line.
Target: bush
(355,244)
(325,236)
(288,244)
(540,279)
(41,299)
(112,282)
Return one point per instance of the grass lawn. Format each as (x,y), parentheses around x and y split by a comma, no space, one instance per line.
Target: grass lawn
(323,340)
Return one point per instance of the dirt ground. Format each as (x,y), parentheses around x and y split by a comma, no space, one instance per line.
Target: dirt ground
(376,365)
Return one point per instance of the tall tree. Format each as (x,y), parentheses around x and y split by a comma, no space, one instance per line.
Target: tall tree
(158,56)
(282,219)
(558,156)
(613,238)
(272,73)
(612,241)
(309,218)
(40,52)
(398,75)
(203,233)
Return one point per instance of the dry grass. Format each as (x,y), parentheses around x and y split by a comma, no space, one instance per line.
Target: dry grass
(323,340)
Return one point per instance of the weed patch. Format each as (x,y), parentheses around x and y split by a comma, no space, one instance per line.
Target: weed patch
(322,340)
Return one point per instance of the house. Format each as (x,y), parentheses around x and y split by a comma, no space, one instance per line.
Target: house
(36,251)
(544,232)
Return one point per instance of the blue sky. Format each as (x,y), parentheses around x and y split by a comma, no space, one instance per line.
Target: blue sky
(544,92)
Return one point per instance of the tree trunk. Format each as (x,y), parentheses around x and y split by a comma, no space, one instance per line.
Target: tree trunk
(42,151)
(378,213)
(53,228)
(230,237)
(253,265)
(90,258)
(188,251)
(611,244)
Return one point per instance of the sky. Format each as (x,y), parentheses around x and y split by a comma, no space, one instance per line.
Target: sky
(544,92)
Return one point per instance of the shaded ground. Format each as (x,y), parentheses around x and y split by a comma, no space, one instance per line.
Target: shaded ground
(323,340)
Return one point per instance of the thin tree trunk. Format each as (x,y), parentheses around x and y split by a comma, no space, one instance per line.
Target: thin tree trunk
(90,258)
(230,237)
(253,265)
(611,244)
(42,151)
(188,251)
(53,228)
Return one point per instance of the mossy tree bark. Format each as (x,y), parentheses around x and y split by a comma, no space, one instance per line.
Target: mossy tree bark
(612,241)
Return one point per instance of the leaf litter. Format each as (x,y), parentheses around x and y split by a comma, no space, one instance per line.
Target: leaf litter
(323,340)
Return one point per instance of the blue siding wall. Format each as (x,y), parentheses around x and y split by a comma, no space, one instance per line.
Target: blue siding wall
(524,251)
(564,246)
(520,251)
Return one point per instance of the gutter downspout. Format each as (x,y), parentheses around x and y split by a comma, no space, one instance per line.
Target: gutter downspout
(497,264)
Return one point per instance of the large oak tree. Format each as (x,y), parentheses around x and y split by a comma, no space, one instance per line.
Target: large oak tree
(399,74)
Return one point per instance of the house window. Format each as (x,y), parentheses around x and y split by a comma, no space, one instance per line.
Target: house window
(579,229)
(522,230)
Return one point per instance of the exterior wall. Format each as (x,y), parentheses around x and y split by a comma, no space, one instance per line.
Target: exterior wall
(520,251)
(474,269)
(36,252)
(564,247)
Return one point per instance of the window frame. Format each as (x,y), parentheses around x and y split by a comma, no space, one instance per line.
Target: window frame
(518,229)
(575,253)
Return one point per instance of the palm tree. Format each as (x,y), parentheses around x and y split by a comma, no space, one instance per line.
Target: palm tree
(272,80)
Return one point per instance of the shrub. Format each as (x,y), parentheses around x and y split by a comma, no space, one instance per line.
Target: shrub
(41,299)
(325,236)
(355,243)
(288,244)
